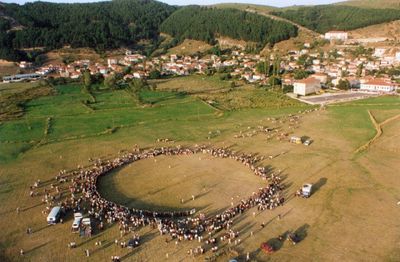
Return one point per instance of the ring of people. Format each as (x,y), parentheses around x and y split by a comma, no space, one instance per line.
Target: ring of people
(83,196)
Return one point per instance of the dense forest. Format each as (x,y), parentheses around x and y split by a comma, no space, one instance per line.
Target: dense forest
(100,25)
(324,18)
(203,23)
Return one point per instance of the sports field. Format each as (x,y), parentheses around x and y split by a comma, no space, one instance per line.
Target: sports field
(351,216)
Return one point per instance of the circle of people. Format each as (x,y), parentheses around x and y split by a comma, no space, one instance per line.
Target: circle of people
(179,225)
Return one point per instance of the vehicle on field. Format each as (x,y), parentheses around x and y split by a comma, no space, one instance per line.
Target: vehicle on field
(85,229)
(54,215)
(86,221)
(293,238)
(77,222)
(306,190)
(307,142)
(267,248)
(295,140)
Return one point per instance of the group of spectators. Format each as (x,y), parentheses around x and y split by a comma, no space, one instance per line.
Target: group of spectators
(181,225)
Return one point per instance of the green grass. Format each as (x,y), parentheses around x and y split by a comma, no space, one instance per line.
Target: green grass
(352,119)
(165,114)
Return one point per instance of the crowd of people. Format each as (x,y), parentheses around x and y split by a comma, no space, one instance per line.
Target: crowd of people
(181,225)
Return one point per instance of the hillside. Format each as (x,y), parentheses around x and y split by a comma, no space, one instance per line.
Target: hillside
(206,24)
(386,30)
(323,18)
(395,4)
(101,25)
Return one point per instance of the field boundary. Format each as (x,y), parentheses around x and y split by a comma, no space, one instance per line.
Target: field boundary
(378,128)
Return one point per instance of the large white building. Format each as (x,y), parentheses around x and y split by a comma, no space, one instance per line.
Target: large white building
(397,57)
(306,86)
(336,35)
(378,85)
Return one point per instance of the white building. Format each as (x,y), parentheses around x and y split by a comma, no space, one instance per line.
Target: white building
(379,52)
(306,86)
(25,64)
(336,35)
(378,85)
(398,56)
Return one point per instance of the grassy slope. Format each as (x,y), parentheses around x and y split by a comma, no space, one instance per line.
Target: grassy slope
(372,3)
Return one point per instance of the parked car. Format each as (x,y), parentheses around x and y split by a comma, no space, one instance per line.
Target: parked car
(77,222)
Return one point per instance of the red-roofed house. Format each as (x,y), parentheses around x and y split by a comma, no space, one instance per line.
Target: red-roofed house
(379,85)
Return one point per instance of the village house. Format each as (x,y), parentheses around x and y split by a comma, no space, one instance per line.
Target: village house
(306,86)
(336,35)
(379,85)
(25,65)
(323,78)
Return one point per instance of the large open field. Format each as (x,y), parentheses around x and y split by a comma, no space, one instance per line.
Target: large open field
(351,216)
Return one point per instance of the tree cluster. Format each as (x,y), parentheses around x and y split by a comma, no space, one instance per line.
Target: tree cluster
(101,25)
(323,18)
(206,24)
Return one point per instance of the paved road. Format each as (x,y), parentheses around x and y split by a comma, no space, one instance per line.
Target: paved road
(332,98)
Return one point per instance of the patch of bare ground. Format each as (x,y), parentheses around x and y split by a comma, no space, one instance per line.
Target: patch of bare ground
(226,42)
(189,47)
(58,56)
(8,68)
(389,30)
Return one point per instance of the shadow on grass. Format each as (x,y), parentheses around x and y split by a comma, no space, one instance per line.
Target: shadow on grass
(301,232)
(317,186)
(36,248)
(27,208)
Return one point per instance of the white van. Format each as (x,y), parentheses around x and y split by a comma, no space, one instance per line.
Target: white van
(77,222)
(306,190)
(54,215)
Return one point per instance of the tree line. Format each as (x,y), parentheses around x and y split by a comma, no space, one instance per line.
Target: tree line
(323,18)
(206,24)
(101,25)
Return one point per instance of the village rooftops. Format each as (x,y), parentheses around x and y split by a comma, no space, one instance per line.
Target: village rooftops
(309,80)
(380,82)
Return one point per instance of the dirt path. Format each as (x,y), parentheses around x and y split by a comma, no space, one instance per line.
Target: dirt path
(378,128)
(300,27)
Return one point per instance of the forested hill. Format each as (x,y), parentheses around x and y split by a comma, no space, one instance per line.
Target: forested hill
(323,18)
(100,25)
(204,23)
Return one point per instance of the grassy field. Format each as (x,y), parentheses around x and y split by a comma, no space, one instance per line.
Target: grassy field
(354,200)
